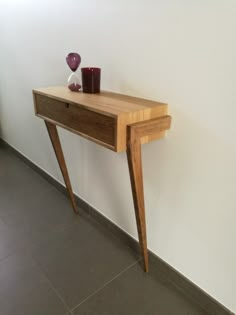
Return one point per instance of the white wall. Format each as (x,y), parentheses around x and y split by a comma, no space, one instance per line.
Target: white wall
(181,52)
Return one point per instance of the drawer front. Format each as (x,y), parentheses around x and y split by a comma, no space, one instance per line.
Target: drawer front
(80,120)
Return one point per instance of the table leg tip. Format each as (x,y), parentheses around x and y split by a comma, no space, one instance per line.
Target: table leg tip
(76,211)
(146,269)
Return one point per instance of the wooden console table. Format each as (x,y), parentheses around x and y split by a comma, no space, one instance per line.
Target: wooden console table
(117,122)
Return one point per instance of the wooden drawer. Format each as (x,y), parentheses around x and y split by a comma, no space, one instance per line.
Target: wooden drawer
(95,126)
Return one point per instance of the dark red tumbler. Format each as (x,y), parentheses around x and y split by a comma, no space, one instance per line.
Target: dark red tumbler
(91,78)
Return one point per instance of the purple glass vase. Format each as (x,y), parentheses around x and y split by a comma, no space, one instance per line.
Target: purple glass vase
(73,60)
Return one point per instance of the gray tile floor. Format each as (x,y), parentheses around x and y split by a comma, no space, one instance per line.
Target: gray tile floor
(53,262)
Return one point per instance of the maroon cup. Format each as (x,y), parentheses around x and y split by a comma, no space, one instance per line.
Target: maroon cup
(91,78)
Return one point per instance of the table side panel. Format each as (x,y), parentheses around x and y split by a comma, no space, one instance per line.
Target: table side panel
(148,113)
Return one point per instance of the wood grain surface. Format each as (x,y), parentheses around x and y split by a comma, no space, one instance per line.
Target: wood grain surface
(107,114)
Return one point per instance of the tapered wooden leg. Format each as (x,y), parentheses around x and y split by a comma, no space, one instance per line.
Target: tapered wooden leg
(136,177)
(135,132)
(53,134)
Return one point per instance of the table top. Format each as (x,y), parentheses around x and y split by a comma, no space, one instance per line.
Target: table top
(108,103)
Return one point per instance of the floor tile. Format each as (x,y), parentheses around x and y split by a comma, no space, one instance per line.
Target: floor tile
(24,290)
(41,215)
(9,163)
(29,204)
(81,259)
(136,293)
(20,188)
(10,241)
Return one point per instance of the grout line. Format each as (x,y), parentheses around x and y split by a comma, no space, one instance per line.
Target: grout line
(34,243)
(56,292)
(26,252)
(23,250)
(52,286)
(107,283)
